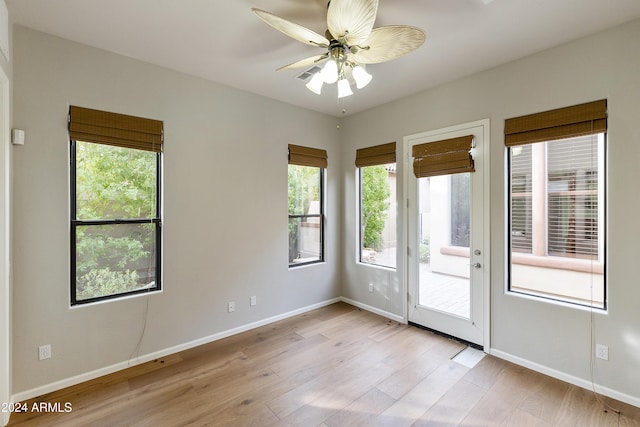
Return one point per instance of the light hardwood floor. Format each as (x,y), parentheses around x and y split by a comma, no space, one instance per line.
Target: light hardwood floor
(335,366)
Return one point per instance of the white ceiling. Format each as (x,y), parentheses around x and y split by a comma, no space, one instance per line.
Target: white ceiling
(224,42)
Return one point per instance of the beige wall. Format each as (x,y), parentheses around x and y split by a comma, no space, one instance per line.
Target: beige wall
(550,337)
(225,211)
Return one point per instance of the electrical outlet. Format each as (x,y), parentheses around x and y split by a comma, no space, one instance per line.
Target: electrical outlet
(232,306)
(44,352)
(602,352)
(253,301)
(370,287)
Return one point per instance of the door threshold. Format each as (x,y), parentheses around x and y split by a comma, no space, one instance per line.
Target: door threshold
(451,337)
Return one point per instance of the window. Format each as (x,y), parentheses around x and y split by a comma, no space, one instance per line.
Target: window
(115,205)
(556,203)
(460,211)
(306,205)
(377,210)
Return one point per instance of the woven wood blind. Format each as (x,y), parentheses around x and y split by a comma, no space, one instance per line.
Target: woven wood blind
(377,155)
(306,156)
(115,129)
(578,120)
(443,157)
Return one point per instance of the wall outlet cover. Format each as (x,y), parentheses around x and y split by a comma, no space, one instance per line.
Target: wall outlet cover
(44,352)
(602,352)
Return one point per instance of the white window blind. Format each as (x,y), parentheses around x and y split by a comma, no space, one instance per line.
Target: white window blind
(521,199)
(572,197)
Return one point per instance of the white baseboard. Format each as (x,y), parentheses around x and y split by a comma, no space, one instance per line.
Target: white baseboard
(580,382)
(67,382)
(388,315)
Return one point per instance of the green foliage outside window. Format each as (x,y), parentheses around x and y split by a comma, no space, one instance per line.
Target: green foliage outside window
(114,183)
(375,193)
(304,188)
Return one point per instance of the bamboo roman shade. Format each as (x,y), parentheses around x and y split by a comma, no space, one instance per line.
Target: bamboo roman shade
(306,156)
(378,155)
(115,129)
(443,157)
(578,120)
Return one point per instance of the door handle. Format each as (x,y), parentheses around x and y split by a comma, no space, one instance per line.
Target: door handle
(477,265)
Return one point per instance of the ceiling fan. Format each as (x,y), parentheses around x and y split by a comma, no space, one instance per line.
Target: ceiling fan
(350,42)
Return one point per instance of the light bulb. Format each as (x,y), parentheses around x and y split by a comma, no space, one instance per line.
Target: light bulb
(330,72)
(315,84)
(344,89)
(361,77)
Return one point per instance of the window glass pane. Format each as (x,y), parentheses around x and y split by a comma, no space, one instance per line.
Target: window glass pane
(305,242)
(573,198)
(378,215)
(557,220)
(113,252)
(521,176)
(460,219)
(114,259)
(305,215)
(114,182)
(444,235)
(304,190)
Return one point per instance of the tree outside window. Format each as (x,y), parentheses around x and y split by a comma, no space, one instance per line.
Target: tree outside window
(306,222)
(377,218)
(115,224)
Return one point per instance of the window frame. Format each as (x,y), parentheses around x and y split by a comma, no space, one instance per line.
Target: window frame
(321,216)
(75,223)
(551,260)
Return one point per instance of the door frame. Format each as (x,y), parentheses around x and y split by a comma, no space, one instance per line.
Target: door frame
(486,207)
(5,242)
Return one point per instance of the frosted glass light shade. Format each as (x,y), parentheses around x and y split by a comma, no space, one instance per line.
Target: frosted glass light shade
(330,72)
(344,89)
(315,84)
(361,77)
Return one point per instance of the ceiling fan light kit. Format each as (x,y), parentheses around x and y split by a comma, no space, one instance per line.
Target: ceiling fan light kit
(350,42)
(315,84)
(344,88)
(361,77)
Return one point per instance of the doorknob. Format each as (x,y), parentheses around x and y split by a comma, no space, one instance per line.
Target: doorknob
(477,265)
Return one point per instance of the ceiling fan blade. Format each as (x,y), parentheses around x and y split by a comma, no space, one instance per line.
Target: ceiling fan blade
(307,62)
(351,19)
(390,42)
(292,29)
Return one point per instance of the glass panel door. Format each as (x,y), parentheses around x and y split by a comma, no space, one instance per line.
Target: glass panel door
(444,226)
(447,249)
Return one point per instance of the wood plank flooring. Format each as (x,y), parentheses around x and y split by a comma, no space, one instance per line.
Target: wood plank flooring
(335,366)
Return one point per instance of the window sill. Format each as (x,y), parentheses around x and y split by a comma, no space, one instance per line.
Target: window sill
(116,298)
(305,264)
(560,301)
